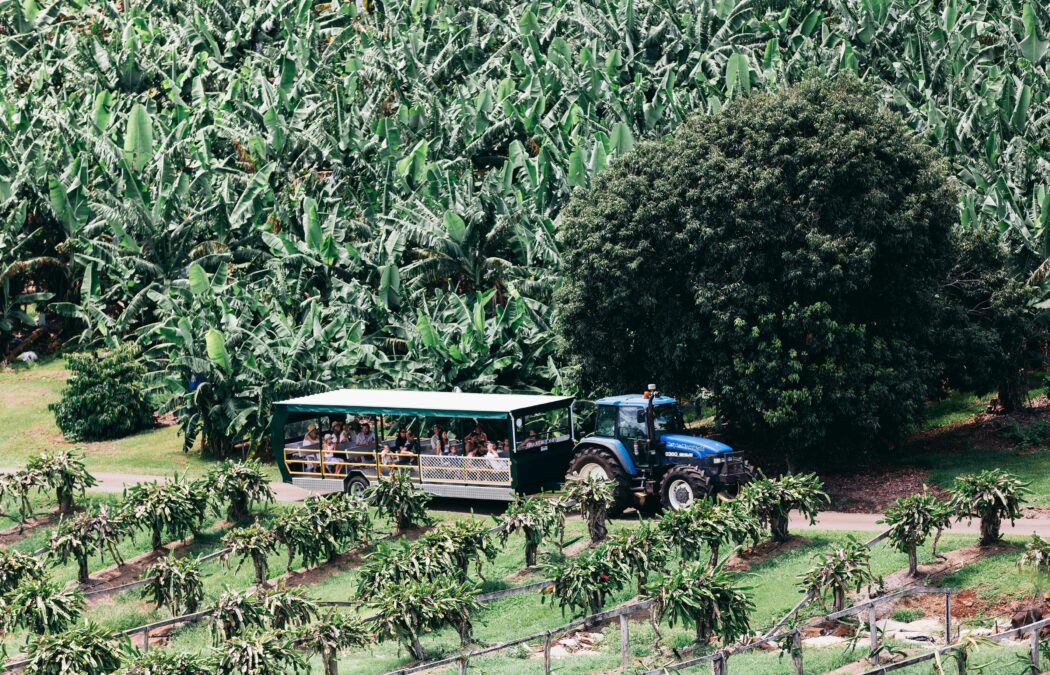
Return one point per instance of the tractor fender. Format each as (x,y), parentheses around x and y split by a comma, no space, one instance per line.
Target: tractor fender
(615,447)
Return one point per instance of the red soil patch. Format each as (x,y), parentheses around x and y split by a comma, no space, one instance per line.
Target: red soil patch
(131,570)
(16,533)
(742,560)
(937,569)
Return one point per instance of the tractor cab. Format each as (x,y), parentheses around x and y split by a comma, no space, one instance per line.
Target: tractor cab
(641,443)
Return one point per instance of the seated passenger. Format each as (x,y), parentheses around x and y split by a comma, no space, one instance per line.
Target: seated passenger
(530,439)
(311,439)
(475,441)
(411,442)
(337,430)
(401,440)
(365,436)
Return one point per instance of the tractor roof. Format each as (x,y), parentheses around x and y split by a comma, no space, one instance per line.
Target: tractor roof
(633,399)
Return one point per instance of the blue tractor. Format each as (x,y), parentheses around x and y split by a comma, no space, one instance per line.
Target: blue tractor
(641,444)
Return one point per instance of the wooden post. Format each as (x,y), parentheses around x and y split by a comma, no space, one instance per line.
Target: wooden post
(796,651)
(145,643)
(873,635)
(1034,651)
(462,665)
(547,653)
(625,642)
(718,666)
(947,618)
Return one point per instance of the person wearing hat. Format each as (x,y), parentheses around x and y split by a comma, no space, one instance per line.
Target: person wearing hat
(311,438)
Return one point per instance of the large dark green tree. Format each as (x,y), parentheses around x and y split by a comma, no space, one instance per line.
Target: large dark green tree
(787,253)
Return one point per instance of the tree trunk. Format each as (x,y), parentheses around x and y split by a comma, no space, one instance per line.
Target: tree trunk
(643,579)
(82,571)
(702,633)
(530,554)
(260,570)
(417,648)
(990,529)
(1013,391)
(157,541)
(913,561)
(596,602)
(597,528)
(838,602)
(331,665)
(778,528)
(714,556)
(237,511)
(65,501)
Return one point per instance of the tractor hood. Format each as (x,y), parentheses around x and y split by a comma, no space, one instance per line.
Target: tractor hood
(696,446)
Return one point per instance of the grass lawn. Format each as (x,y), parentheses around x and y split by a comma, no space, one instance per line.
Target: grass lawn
(29,428)
(1030,465)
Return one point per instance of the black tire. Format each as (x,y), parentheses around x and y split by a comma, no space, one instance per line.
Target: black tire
(583,462)
(682,485)
(355,485)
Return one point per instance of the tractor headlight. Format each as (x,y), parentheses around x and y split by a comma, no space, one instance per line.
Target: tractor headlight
(717,460)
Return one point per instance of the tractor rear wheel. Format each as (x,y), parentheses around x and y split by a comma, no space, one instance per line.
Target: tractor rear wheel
(683,485)
(601,463)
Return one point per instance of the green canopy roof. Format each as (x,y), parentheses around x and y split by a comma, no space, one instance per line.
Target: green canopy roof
(424,403)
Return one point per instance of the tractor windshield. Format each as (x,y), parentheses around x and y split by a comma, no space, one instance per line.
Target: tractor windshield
(667,419)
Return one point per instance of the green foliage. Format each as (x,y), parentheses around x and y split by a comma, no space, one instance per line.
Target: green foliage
(838,570)
(238,486)
(105,396)
(86,534)
(43,606)
(907,614)
(288,607)
(643,550)
(707,598)
(1036,555)
(333,634)
(593,496)
(18,485)
(582,583)
(456,544)
(254,543)
(913,519)
(537,518)
(15,567)
(259,653)
(236,612)
(408,610)
(175,507)
(824,339)
(398,564)
(86,649)
(705,524)
(772,500)
(991,496)
(164,662)
(65,473)
(175,583)
(397,498)
(323,528)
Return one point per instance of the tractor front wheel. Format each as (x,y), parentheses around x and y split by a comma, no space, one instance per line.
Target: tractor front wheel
(683,485)
(602,464)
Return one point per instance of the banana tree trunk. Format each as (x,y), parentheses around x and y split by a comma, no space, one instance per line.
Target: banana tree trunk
(913,561)
(65,500)
(530,554)
(990,529)
(778,528)
(82,570)
(838,602)
(260,570)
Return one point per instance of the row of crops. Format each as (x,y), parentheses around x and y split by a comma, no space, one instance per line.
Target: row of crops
(406,589)
(273,195)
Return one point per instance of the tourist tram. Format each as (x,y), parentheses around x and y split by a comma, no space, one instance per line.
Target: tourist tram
(529,439)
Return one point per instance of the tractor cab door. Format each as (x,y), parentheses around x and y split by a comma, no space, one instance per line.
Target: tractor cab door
(630,429)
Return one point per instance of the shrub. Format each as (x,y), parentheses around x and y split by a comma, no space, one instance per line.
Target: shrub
(838,570)
(823,340)
(174,507)
(287,607)
(65,473)
(84,535)
(396,498)
(163,662)
(912,519)
(332,634)
(42,606)
(772,500)
(176,583)
(990,495)
(393,565)
(536,518)
(704,524)
(16,566)
(238,485)
(18,485)
(583,583)
(254,542)
(87,649)
(259,653)
(708,598)
(406,611)
(235,613)
(593,496)
(104,396)
(642,550)
(1036,557)
(457,544)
